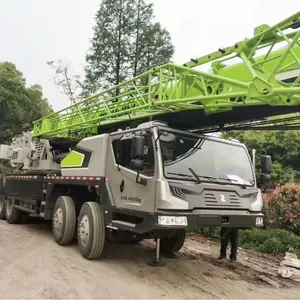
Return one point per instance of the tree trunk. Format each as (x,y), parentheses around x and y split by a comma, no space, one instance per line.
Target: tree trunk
(118,62)
(136,54)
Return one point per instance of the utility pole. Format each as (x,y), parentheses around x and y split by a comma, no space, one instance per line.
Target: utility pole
(253,157)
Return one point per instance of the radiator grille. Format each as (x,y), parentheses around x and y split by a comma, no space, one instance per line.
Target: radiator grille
(215,199)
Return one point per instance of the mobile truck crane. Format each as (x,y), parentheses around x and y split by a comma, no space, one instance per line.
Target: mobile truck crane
(125,165)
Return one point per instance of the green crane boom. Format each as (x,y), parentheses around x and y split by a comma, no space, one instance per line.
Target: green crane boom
(256,80)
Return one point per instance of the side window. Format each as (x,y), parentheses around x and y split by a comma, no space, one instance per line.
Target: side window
(122,153)
(149,162)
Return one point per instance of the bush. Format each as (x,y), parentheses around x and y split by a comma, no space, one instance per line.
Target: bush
(282,208)
(275,241)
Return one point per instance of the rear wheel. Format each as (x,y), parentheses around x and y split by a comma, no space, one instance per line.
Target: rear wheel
(64,220)
(91,230)
(13,215)
(174,243)
(2,208)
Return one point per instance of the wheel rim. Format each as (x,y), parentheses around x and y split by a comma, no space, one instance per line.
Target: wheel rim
(84,230)
(9,207)
(57,221)
(1,204)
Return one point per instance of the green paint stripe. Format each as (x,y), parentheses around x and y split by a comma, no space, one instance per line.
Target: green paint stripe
(73,159)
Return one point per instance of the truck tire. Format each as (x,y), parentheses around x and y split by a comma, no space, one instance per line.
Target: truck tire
(13,215)
(64,220)
(2,208)
(174,243)
(91,230)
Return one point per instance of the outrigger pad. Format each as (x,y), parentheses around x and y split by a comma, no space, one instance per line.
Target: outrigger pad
(155,263)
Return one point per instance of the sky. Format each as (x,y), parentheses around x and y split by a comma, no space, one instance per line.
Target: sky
(36,31)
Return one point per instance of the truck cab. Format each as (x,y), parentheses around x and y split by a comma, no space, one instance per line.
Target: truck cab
(158,178)
(185,179)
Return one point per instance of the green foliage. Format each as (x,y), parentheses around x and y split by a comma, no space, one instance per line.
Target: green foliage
(283,146)
(275,241)
(252,238)
(209,232)
(282,208)
(19,105)
(125,43)
(154,48)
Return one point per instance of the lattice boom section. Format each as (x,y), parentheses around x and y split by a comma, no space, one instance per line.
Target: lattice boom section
(256,80)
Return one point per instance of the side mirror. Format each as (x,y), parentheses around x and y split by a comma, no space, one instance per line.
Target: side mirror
(266,164)
(137,164)
(137,149)
(265,178)
(137,153)
(266,168)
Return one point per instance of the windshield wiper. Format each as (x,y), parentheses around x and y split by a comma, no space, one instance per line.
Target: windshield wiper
(210,178)
(195,175)
(233,181)
(213,179)
(181,174)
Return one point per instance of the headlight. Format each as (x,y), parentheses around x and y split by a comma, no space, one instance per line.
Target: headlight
(172,220)
(257,205)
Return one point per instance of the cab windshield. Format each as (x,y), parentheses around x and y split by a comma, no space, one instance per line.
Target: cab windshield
(204,160)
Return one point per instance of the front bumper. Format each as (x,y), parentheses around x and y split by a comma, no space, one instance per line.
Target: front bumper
(240,219)
(210,218)
(201,218)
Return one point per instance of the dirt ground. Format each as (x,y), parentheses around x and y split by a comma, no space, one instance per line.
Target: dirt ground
(32,265)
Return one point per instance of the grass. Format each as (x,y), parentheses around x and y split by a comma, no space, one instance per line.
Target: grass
(275,241)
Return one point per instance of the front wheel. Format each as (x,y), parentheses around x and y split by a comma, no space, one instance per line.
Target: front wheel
(91,230)
(174,243)
(2,208)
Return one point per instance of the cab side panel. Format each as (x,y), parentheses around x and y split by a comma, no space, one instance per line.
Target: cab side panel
(88,159)
(123,186)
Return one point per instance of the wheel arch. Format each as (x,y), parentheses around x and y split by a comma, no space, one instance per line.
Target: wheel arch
(79,194)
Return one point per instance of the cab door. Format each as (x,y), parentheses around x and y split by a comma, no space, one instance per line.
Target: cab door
(130,189)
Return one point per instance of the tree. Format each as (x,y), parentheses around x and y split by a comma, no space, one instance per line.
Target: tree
(125,43)
(152,44)
(19,105)
(155,49)
(108,57)
(283,146)
(64,78)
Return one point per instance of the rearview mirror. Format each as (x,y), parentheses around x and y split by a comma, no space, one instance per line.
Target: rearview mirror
(266,164)
(137,149)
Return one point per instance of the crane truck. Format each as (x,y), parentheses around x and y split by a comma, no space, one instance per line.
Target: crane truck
(126,164)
